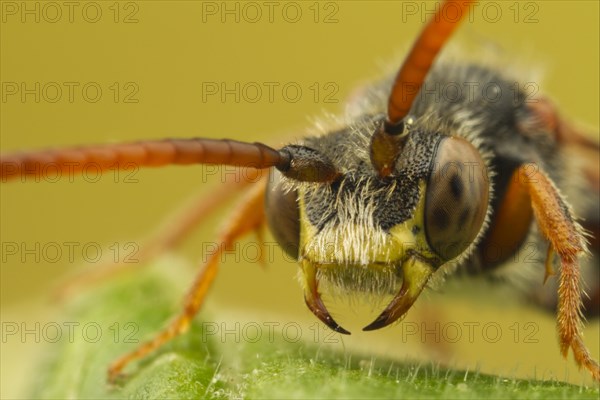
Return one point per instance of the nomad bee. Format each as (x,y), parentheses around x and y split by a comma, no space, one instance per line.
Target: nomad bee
(409,188)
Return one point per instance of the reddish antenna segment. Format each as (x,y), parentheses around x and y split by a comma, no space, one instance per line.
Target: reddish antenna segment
(387,142)
(150,153)
(416,66)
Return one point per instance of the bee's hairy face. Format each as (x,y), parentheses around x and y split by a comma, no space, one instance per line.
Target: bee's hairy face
(367,233)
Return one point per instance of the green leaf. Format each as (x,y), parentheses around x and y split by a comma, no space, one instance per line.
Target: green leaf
(198,365)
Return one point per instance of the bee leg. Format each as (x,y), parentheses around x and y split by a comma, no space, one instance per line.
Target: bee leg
(260,238)
(175,228)
(249,216)
(542,117)
(566,239)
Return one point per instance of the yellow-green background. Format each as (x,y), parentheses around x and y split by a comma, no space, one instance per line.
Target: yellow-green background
(168,53)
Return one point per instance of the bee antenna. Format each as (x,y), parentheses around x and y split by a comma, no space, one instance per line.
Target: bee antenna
(413,71)
(304,164)
(148,153)
(296,162)
(409,80)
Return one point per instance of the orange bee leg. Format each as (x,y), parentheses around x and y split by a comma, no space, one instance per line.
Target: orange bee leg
(249,217)
(543,118)
(173,231)
(566,239)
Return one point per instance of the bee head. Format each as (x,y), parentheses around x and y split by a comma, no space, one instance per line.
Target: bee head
(389,198)
(367,232)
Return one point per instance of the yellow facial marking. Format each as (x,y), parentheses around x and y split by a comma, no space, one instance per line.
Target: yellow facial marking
(360,242)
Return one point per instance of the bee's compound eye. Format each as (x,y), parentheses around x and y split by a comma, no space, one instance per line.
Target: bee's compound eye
(283,215)
(457,197)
